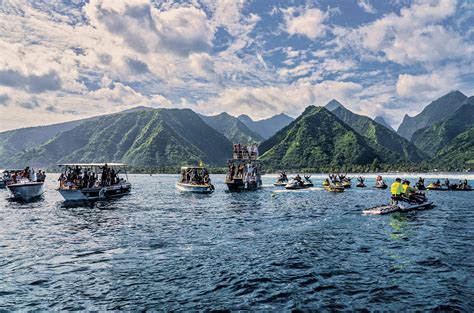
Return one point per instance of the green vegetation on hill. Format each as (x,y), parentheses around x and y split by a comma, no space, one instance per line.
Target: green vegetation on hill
(164,137)
(433,138)
(232,128)
(436,111)
(458,153)
(317,139)
(379,135)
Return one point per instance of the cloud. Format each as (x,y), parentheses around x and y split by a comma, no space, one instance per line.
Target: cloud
(426,86)
(262,102)
(307,22)
(145,29)
(4,98)
(416,35)
(366,6)
(31,83)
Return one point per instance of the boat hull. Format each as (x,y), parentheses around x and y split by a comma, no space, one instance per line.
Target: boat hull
(26,191)
(2,184)
(202,189)
(91,194)
(238,185)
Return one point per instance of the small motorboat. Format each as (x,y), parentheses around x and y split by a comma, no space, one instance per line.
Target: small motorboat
(397,207)
(26,189)
(195,179)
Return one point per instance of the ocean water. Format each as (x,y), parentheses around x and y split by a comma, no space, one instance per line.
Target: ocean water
(266,250)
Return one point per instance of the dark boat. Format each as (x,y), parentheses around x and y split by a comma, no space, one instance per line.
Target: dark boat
(243,170)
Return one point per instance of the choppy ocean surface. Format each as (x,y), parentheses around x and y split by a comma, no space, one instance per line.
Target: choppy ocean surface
(267,250)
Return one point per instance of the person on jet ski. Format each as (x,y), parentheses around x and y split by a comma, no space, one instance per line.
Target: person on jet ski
(446,182)
(299,180)
(361,179)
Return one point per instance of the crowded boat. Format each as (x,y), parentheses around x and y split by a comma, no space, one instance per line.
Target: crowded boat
(93,181)
(194,179)
(243,170)
(26,184)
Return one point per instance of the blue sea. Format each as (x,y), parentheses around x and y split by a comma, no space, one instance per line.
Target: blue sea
(157,249)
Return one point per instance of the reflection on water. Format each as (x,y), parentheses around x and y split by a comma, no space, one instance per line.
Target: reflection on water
(270,250)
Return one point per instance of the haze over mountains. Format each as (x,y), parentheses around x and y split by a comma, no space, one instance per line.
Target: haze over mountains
(321,137)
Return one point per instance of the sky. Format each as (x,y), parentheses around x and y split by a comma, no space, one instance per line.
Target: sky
(66,60)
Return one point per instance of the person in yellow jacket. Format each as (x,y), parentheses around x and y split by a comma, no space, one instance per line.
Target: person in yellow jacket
(396,188)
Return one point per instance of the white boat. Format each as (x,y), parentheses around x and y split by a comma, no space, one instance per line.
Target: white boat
(95,190)
(192,181)
(26,190)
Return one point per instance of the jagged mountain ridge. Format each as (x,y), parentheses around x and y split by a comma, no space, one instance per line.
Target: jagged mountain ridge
(266,127)
(437,111)
(231,127)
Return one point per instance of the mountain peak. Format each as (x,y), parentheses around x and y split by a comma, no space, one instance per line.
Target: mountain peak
(333,105)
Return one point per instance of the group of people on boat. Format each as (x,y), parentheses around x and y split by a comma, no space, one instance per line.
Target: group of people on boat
(245,151)
(247,171)
(27,174)
(401,190)
(193,176)
(338,178)
(81,178)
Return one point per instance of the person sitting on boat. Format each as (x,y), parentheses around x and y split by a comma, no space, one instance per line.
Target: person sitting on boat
(396,188)
(446,182)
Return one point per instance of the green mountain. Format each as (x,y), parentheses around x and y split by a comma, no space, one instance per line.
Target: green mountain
(15,141)
(266,127)
(161,137)
(434,112)
(433,138)
(318,139)
(458,153)
(379,119)
(232,128)
(377,134)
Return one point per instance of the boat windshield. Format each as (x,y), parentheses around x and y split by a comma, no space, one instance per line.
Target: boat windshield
(194,176)
(92,175)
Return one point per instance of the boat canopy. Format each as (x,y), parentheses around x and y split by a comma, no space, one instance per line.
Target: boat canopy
(94,164)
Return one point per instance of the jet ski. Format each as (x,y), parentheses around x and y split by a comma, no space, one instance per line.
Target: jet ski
(308,182)
(361,185)
(380,185)
(346,184)
(397,207)
(281,182)
(295,185)
(334,188)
